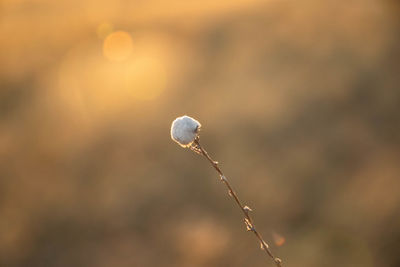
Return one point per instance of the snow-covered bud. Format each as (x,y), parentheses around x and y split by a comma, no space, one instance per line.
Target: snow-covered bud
(184,130)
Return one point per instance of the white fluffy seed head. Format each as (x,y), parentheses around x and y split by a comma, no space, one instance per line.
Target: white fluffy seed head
(184,130)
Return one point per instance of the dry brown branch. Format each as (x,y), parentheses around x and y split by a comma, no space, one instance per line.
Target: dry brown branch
(196,147)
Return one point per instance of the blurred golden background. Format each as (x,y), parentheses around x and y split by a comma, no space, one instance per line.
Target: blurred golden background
(299,101)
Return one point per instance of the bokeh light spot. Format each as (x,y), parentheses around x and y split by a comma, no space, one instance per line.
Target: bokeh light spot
(278,239)
(118,46)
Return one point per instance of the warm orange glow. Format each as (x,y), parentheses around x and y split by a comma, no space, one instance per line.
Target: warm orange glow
(90,85)
(118,46)
(145,78)
(104,29)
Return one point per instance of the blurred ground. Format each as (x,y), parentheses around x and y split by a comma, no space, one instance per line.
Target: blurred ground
(299,102)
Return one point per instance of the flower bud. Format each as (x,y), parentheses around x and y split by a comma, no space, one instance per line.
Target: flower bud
(184,130)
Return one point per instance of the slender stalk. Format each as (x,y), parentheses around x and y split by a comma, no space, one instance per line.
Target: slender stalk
(245,209)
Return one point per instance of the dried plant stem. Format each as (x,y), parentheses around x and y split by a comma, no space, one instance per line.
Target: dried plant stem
(245,209)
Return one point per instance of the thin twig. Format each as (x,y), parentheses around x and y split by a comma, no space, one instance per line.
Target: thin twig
(245,209)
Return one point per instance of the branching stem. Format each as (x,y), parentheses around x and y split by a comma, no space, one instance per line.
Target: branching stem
(247,219)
